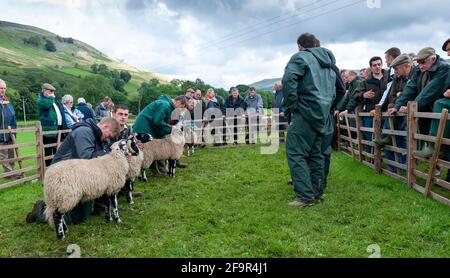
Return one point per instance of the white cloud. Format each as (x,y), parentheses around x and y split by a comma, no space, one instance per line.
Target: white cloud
(177,38)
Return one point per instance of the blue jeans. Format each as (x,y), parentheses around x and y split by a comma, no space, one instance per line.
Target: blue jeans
(399,124)
(367,122)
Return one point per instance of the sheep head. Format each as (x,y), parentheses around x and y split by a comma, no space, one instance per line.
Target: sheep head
(177,136)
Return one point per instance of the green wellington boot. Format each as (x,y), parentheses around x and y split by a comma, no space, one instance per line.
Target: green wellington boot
(383,142)
(426,152)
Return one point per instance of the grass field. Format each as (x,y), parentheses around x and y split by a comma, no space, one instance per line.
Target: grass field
(232,202)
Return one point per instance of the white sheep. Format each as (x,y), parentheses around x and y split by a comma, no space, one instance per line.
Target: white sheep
(169,148)
(69,182)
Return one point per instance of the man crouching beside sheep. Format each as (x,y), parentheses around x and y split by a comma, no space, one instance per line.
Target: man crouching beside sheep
(155,120)
(86,141)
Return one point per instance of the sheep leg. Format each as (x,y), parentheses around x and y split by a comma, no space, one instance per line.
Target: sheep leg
(144,175)
(172,166)
(115,208)
(59,225)
(107,203)
(129,191)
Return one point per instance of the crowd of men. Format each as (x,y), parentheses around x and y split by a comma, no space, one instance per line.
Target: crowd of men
(312,93)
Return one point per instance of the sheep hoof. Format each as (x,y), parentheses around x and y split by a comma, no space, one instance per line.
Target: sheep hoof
(131,202)
(108,220)
(118,221)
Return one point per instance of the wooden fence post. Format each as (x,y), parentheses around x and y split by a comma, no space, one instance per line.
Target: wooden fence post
(412,143)
(359,136)
(40,150)
(437,150)
(347,122)
(16,150)
(338,132)
(377,136)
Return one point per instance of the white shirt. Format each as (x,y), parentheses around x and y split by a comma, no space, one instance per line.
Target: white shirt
(58,114)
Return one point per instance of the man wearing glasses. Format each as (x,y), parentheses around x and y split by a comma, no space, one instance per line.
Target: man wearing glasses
(427,87)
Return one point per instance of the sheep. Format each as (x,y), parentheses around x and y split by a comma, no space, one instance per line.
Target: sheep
(169,148)
(65,187)
(134,172)
(135,168)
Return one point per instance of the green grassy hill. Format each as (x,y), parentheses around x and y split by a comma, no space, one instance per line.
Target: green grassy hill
(72,58)
(265,85)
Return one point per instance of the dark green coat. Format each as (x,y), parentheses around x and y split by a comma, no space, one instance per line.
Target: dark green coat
(309,86)
(434,86)
(398,84)
(348,102)
(154,119)
(47,114)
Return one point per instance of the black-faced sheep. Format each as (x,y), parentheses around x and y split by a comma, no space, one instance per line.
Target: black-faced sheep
(169,148)
(69,182)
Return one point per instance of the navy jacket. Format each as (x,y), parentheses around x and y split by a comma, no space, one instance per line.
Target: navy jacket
(7,118)
(87,112)
(84,142)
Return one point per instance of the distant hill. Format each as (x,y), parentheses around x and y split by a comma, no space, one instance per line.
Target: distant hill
(265,85)
(23,46)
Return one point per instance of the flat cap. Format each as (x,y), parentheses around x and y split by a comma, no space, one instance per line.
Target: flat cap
(400,60)
(425,53)
(47,86)
(444,47)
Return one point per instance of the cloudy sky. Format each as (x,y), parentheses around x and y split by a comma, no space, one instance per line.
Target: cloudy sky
(230,42)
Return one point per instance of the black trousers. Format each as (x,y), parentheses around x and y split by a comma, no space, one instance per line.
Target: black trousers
(50,150)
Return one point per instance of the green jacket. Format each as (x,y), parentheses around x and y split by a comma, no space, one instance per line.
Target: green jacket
(348,102)
(47,114)
(154,119)
(309,86)
(426,87)
(398,84)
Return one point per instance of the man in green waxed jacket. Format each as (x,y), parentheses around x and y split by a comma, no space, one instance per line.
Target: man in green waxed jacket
(51,116)
(427,86)
(309,91)
(155,120)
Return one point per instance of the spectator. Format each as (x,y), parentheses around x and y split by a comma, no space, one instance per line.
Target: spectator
(8,120)
(154,120)
(348,103)
(85,109)
(102,110)
(198,96)
(446,47)
(71,114)
(111,106)
(254,100)
(404,69)
(188,95)
(363,73)
(51,115)
(277,104)
(86,141)
(390,55)
(369,93)
(427,87)
(235,108)
(309,90)
(254,107)
(212,108)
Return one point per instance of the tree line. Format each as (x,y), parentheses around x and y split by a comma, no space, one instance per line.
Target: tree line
(24,85)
